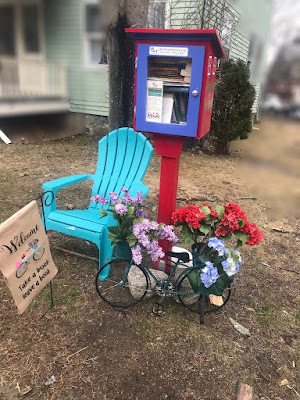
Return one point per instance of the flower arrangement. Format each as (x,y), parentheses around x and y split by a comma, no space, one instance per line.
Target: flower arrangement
(225,221)
(133,225)
(218,263)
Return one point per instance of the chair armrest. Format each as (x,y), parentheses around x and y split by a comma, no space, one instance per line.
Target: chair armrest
(60,183)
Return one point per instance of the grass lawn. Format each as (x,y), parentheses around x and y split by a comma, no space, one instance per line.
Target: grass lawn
(96,353)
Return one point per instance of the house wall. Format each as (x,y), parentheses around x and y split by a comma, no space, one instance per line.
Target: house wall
(87,87)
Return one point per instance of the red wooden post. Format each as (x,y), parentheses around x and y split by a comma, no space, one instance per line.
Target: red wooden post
(169,148)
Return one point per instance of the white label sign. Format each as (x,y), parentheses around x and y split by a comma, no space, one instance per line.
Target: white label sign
(168,51)
(154,101)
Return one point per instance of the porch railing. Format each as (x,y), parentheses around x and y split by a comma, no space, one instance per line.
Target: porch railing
(29,79)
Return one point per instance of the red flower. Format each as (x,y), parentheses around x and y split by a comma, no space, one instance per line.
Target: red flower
(255,235)
(212,212)
(190,214)
(221,231)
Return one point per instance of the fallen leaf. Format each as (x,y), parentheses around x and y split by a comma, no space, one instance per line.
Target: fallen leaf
(284,382)
(240,328)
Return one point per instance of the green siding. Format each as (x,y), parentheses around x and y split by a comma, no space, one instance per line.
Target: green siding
(87,88)
(239,47)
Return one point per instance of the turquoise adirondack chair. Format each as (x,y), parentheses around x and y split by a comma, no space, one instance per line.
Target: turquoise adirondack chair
(123,158)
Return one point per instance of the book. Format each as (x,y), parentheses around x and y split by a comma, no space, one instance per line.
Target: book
(167,108)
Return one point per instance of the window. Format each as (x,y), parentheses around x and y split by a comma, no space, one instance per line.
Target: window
(95,46)
(30,22)
(7,34)
(229,23)
(158,14)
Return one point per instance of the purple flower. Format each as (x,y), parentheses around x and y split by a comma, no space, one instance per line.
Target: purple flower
(141,213)
(114,198)
(143,239)
(136,254)
(167,232)
(155,251)
(128,199)
(99,199)
(209,274)
(142,227)
(139,198)
(121,209)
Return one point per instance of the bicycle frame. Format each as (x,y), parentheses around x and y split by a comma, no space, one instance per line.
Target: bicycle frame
(172,273)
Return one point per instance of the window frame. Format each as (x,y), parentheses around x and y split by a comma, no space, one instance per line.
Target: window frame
(20,48)
(167,21)
(88,36)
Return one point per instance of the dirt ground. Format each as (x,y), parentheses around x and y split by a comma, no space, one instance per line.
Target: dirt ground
(95,353)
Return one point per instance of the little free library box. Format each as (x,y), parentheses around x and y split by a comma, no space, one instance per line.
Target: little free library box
(175,77)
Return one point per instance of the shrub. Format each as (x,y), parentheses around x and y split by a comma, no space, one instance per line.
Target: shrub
(233,100)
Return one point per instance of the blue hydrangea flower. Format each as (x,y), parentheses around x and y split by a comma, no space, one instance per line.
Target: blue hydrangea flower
(209,274)
(230,267)
(218,245)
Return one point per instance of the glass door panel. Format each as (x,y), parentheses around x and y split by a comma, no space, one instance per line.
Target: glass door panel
(31,33)
(168,87)
(7,32)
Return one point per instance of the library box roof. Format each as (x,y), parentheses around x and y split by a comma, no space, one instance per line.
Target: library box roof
(180,35)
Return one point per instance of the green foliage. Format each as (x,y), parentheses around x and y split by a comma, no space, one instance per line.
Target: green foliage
(233,100)
(194,276)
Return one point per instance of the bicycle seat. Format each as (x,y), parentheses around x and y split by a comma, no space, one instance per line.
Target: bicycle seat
(184,257)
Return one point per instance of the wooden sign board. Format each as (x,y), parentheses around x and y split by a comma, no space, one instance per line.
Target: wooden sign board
(25,258)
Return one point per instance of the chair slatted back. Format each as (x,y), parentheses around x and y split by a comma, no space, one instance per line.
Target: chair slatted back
(123,158)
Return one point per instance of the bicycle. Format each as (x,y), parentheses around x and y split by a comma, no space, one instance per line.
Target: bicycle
(37,253)
(115,289)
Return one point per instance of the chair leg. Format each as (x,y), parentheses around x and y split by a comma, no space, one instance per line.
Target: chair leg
(105,253)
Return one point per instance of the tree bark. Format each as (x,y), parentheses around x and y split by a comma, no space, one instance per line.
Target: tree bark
(116,16)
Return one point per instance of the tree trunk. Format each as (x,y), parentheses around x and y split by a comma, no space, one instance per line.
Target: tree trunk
(116,16)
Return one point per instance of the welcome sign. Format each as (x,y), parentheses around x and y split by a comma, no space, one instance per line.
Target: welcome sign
(25,258)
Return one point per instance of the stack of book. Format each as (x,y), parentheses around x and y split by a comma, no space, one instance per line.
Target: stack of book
(176,77)
(186,73)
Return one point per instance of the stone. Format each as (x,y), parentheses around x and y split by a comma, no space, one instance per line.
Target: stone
(160,275)
(136,281)
(216,300)
(240,328)
(137,285)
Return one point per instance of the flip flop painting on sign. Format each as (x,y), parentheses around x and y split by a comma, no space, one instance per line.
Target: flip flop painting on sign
(25,258)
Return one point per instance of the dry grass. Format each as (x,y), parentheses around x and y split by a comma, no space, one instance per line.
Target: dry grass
(96,353)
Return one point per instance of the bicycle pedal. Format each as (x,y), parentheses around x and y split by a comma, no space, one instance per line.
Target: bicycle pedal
(158,309)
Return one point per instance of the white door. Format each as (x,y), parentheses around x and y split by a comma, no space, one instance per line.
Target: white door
(22,47)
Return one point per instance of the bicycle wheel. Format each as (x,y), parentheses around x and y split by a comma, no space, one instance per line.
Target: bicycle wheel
(122,284)
(22,269)
(192,300)
(39,252)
